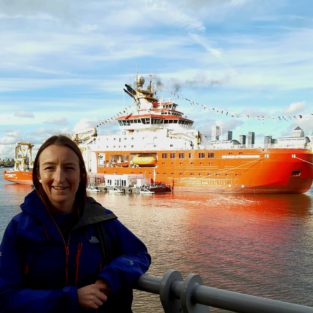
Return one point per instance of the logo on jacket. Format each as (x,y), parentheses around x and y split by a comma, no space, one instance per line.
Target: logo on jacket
(94,239)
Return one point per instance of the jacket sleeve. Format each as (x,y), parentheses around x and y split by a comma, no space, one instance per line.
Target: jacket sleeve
(14,296)
(131,262)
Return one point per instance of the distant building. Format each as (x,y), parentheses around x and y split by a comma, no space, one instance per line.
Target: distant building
(216,132)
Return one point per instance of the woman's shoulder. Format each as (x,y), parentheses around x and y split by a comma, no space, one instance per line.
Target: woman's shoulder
(94,212)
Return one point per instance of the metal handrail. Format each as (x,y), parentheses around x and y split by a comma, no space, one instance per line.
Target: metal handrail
(190,296)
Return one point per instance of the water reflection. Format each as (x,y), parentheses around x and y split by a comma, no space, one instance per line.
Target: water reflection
(257,244)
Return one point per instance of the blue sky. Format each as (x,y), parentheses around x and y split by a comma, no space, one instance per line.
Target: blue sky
(246,65)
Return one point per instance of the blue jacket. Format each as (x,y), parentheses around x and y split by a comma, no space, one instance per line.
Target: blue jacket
(40,271)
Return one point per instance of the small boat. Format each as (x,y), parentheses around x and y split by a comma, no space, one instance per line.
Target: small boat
(116,190)
(92,189)
(146,191)
(155,188)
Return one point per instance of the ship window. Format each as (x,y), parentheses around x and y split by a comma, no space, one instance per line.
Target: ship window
(189,155)
(172,155)
(181,155)
(296,173)
(164,155)
(201,155)
(211,155)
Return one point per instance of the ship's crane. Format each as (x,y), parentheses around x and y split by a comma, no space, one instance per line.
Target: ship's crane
(23,156)
(85,136)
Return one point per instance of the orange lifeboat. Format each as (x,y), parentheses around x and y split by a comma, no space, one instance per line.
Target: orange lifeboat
(144,160)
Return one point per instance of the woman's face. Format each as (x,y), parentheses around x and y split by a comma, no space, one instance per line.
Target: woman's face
(59,175)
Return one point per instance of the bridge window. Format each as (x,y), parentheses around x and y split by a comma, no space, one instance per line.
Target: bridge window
(296,173)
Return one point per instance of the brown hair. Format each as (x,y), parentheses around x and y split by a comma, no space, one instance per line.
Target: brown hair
(62,140)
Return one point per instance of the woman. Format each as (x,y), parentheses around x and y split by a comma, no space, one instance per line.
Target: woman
(64,252)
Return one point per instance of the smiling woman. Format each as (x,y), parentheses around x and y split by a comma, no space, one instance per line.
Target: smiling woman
(65,252)
(59,176)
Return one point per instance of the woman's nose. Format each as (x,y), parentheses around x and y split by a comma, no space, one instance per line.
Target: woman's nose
(59,174)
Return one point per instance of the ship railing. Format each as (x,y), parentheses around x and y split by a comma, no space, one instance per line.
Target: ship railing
(191,296)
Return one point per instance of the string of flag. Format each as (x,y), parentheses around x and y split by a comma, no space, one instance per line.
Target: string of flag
(127,110)
(225,112)
(281,117)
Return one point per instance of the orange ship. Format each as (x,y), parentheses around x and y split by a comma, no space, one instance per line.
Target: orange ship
(22,171)
(159,144)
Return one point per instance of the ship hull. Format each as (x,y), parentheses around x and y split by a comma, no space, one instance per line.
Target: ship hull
(224,171)
(18,177)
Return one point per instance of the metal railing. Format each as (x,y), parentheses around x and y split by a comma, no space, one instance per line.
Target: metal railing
(190,296)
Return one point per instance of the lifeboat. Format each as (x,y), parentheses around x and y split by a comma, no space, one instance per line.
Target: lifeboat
(144,160)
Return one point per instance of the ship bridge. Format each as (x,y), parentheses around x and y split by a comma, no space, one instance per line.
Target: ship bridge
(151,113)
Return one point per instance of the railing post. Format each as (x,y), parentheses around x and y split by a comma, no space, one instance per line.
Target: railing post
(189,305)
(169,301)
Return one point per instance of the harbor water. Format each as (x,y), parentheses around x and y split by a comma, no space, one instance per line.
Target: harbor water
(256,244)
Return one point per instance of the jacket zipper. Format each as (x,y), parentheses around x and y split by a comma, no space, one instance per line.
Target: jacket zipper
(66,249)
(79,250)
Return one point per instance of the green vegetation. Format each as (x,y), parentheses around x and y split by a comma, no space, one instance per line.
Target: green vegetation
(6,162)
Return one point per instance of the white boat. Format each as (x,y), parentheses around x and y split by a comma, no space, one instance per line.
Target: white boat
(93,189)
(116,190)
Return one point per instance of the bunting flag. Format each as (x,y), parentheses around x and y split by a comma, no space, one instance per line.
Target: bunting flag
(112,119)
(130,109)
(246,116)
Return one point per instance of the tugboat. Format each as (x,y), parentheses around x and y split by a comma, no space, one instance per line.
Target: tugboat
(23,165)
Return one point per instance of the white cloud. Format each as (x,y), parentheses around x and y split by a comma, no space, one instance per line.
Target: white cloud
(295,107)
(24,114)
(83,124)
(61,121)
(65,54)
